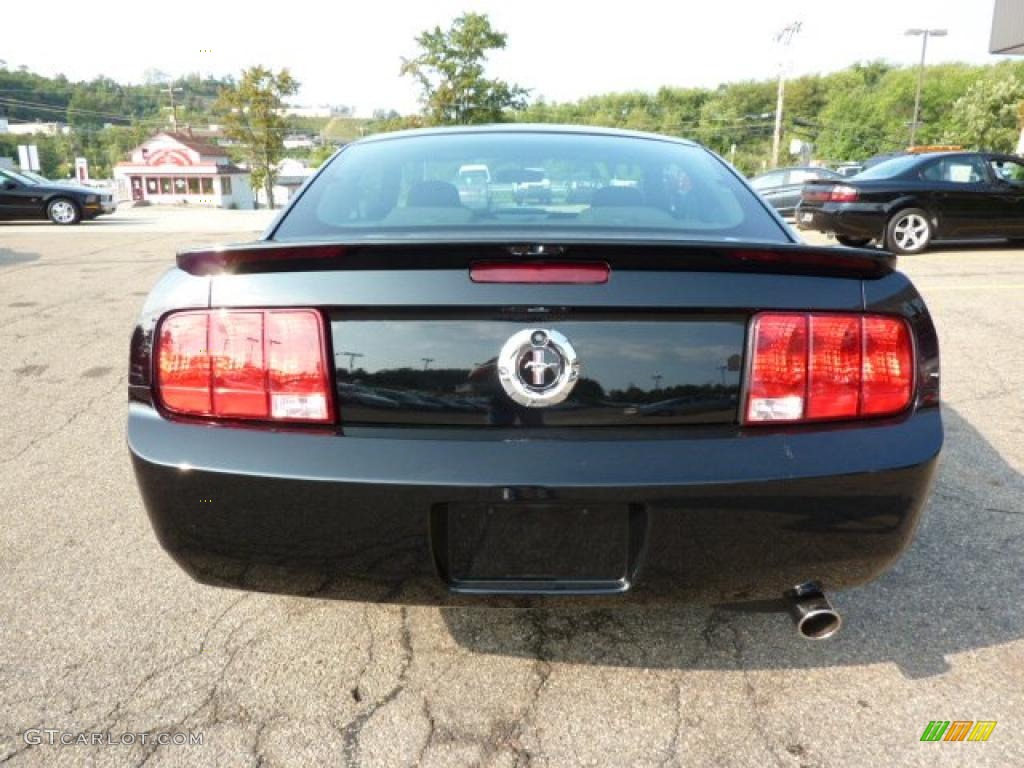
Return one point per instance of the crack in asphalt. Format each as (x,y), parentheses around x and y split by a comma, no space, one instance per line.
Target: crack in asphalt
(352,731)
(672,750)
(71,419)
(542,669)
(750,693)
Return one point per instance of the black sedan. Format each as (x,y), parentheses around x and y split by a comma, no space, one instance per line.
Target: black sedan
(25,197)
(661,396)
(782,187)
(910,201)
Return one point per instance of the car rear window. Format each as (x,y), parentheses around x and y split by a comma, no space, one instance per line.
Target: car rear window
(889,168)
(524,183)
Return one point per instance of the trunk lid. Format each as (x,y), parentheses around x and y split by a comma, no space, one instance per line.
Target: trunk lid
(415,341)
(446,368)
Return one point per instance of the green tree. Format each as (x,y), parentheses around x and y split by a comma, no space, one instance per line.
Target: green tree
(320,155)
(253,117)
(450,71)
(987,115)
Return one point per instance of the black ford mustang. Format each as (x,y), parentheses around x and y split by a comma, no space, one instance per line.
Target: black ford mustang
(657,395)
(32,197)
(909,201)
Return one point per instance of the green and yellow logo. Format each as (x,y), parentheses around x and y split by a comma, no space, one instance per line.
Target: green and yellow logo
(958,730)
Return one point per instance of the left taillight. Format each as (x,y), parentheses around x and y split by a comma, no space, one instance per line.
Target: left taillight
(255,364)
(824,193)
(844,194)
(807,367)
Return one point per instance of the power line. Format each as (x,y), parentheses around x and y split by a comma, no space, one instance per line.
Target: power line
(89,113)
(42,107)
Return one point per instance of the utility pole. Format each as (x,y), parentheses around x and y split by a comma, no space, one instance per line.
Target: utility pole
(426,362)
(352,359)
(170,90)
(785,37)
(924,34)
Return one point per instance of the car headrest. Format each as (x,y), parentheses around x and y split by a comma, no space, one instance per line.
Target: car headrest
(433,194)
(617,197)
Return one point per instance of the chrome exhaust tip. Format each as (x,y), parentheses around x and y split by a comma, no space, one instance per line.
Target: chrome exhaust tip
(813,614)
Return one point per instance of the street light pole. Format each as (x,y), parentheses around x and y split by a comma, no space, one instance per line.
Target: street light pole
(785,37)
(924,34)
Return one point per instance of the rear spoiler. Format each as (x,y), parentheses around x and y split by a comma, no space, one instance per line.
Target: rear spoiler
(783,258)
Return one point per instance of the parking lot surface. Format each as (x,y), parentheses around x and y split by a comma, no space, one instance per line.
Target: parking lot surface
(101,632)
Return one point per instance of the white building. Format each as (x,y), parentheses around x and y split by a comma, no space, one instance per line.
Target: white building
(174,168)
(298,141)
(291,175)
(324,110)
(25,129)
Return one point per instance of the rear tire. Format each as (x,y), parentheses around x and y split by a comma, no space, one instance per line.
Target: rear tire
(853,242)
(63,211)
(909,231)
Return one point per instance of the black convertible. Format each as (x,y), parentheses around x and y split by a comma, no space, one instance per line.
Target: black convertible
(657,395)
(909,201)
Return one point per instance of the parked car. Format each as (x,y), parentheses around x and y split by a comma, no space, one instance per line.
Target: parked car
(473,182)
(533,185)
(23,197)
(580,190)
(789,448)
(849,169)
(910,201)
(781,187)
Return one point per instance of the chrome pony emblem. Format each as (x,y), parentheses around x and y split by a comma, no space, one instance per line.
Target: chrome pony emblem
(538,367)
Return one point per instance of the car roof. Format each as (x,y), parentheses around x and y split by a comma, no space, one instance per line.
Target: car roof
(933,155)
(521,128)
(795,168)
(960,153)
(816,169)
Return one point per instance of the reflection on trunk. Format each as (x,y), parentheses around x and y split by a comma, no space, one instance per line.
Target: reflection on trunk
(634,373)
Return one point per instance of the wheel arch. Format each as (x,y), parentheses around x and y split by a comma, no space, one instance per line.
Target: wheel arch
(910,201)
(59,195)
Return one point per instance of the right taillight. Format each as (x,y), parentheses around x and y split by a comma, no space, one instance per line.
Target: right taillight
(826,366)
(262,364)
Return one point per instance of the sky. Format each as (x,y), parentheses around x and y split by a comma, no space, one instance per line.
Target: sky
(350,53)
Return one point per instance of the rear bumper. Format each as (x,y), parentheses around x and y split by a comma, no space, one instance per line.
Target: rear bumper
(712,517)
(859,220)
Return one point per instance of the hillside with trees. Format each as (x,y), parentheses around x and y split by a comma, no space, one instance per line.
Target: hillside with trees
(107,118)
(852,114)
(848,115)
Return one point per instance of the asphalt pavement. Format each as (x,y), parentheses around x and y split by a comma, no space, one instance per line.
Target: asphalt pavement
(101,633)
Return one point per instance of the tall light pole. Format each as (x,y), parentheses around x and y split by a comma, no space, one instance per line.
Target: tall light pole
(924,34)
(785,37)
